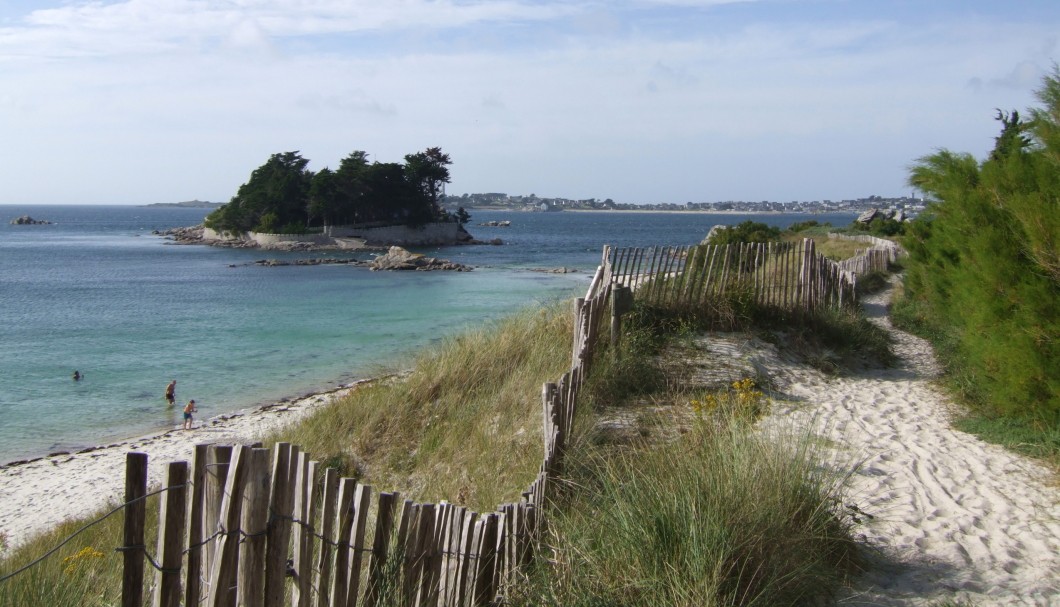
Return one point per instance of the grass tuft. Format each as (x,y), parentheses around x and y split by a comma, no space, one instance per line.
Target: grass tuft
(722,516)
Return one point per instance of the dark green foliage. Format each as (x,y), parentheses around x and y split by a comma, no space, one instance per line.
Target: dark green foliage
(984,264)
(747,231)
(284,196)
(800,226)
(463,216)
(276,194)
(883,227)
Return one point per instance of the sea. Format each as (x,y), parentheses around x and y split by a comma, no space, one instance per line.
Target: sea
(97,291)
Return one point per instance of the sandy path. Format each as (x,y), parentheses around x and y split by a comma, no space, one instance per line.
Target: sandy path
(42,493)
(954,518)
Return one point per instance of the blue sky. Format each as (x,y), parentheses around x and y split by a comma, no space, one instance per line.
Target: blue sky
(141,101)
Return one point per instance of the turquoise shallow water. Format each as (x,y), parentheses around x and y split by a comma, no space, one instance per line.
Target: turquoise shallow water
(97,292)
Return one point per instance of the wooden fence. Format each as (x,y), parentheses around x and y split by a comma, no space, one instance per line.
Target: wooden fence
(877,258)
(779,274)
(251,526)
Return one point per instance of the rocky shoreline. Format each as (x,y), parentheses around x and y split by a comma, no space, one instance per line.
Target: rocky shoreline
(393,258)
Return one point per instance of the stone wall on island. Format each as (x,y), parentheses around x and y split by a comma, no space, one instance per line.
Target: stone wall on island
(351,236)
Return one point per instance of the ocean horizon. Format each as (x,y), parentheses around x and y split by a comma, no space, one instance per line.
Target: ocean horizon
(97,292)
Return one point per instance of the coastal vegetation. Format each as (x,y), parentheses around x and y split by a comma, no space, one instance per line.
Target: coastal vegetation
(746,231)
(983,276)
(284,196)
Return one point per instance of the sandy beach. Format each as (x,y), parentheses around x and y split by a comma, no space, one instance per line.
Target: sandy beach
(41,493)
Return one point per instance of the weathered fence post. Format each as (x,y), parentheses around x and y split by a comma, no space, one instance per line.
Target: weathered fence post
(327,532)
(361,501)
(226,555)
(384,527)
(340,579)
(306,506)
(192,585)
(279,523)
(218,461)
(255,519)
(171,536)
(621,302)
(132,583)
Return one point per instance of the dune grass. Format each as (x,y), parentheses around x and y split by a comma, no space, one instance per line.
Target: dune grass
(720,517)
(463,425)
(86,572)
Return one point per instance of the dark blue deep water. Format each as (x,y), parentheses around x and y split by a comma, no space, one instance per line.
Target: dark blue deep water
(97,292)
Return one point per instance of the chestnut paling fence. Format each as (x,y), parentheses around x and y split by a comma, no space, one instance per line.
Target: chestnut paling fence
(877,257)
(790,275)
(251,526)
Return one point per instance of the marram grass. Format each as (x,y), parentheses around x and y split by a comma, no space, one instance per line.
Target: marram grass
(723,516)
(464,425)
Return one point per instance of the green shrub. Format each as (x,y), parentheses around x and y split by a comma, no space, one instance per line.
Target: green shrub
(983,264)
(747,231)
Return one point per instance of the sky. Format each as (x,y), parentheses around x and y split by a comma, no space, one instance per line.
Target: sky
(640,101)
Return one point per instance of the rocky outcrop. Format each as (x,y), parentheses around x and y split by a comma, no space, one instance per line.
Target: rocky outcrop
(398,258)
(316,261)
(334,238)
(895,214)
(26,220)
(713,231)
(868,216)
(189,235)
(497,224)
(554,270)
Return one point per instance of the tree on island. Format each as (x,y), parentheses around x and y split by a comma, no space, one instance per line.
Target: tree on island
(284,196)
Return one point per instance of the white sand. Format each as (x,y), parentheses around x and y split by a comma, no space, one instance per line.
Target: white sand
(953,518)
(42,493)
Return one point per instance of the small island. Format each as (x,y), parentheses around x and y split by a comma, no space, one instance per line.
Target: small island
(358,205)
(26,220)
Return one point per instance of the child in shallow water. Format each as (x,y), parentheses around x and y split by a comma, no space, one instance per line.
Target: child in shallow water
(188,410)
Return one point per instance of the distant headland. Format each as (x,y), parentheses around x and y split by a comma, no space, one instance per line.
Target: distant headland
(188,204)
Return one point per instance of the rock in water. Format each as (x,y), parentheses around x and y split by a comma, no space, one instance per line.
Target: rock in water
(398,258)
(26,220)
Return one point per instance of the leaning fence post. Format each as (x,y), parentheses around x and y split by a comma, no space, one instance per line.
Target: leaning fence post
(251,572)
(132,582)
(281,498)
(384,527)
(171,536)
(218,460)
(226,555)
(192,584)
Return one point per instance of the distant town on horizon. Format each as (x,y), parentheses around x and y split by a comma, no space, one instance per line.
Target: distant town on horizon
(532,202)
(497,200)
